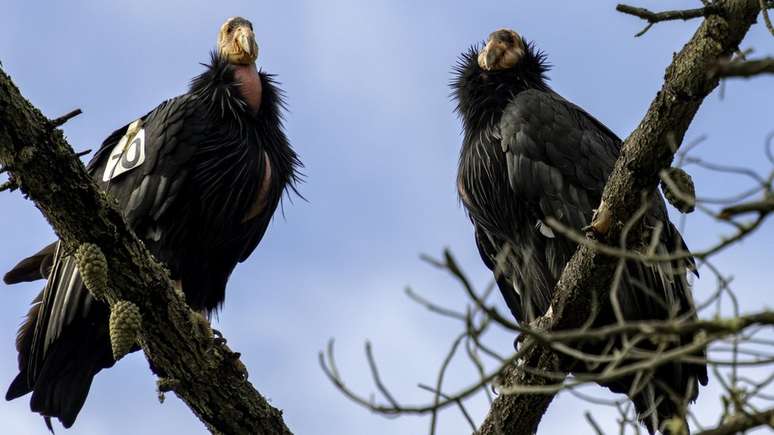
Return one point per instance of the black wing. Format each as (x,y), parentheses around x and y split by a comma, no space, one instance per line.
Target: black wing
(146,192)
(59,336)
(558,161)
(558,156)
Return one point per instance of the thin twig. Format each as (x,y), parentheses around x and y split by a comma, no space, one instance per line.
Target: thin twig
(459,403)
(377,378)
(593,423)
(446,312)
(439,381)
(745,230)
(451,265)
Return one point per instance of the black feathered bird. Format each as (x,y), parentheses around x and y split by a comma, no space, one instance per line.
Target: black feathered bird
(529,154)
(198,179)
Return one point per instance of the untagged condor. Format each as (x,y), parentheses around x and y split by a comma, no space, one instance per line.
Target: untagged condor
(198,178)
(529,154)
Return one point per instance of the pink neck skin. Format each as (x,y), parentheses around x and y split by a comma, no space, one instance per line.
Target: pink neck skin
(250,85)
(251,89)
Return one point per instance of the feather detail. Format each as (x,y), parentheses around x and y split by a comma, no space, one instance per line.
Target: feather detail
(478,93)
(217,89)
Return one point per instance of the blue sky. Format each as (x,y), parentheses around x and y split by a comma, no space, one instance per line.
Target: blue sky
(370,116)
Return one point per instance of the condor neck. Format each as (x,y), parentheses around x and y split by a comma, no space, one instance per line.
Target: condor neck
(249,85)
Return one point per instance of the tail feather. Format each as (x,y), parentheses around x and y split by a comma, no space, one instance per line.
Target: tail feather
(61,385)
(659,292)
(32,268)
(63,343)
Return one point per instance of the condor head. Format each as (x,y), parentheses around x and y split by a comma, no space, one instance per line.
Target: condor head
(236,41)
(504,49)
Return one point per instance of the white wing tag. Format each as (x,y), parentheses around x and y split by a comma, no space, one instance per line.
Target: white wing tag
(128,154)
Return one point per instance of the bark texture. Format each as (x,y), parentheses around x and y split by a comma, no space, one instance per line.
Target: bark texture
(648,150)
(178,343)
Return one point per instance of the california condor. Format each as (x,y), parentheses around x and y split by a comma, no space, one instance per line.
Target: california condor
(198,179)
(529,154)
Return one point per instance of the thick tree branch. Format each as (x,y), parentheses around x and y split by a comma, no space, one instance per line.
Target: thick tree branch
(648,150)
(208,377)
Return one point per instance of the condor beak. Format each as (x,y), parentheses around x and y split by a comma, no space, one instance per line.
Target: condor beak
(246,41)
(489,55)
(500,55)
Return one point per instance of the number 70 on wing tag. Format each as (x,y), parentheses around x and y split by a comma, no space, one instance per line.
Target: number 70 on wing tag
(128,154)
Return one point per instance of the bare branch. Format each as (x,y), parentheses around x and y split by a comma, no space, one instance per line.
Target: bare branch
(435,308)
(763,207)
(742,422)
(58,122)
(460,405)
(744,230)
(377,378)
(745,69)
(594,424)
(657,17)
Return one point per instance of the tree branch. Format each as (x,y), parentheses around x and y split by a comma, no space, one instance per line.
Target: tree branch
(762,207)
(178,343)
(657,17)
(742,422)
(745,68)
(648,150)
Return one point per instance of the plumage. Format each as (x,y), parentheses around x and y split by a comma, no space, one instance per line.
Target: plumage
(201,200)
(529,154)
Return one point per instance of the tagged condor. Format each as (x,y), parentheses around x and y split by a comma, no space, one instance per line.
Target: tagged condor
(198,179)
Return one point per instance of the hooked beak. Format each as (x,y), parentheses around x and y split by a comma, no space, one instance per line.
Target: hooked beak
(488,57)
(492,53)
(245,40)
(500,55)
